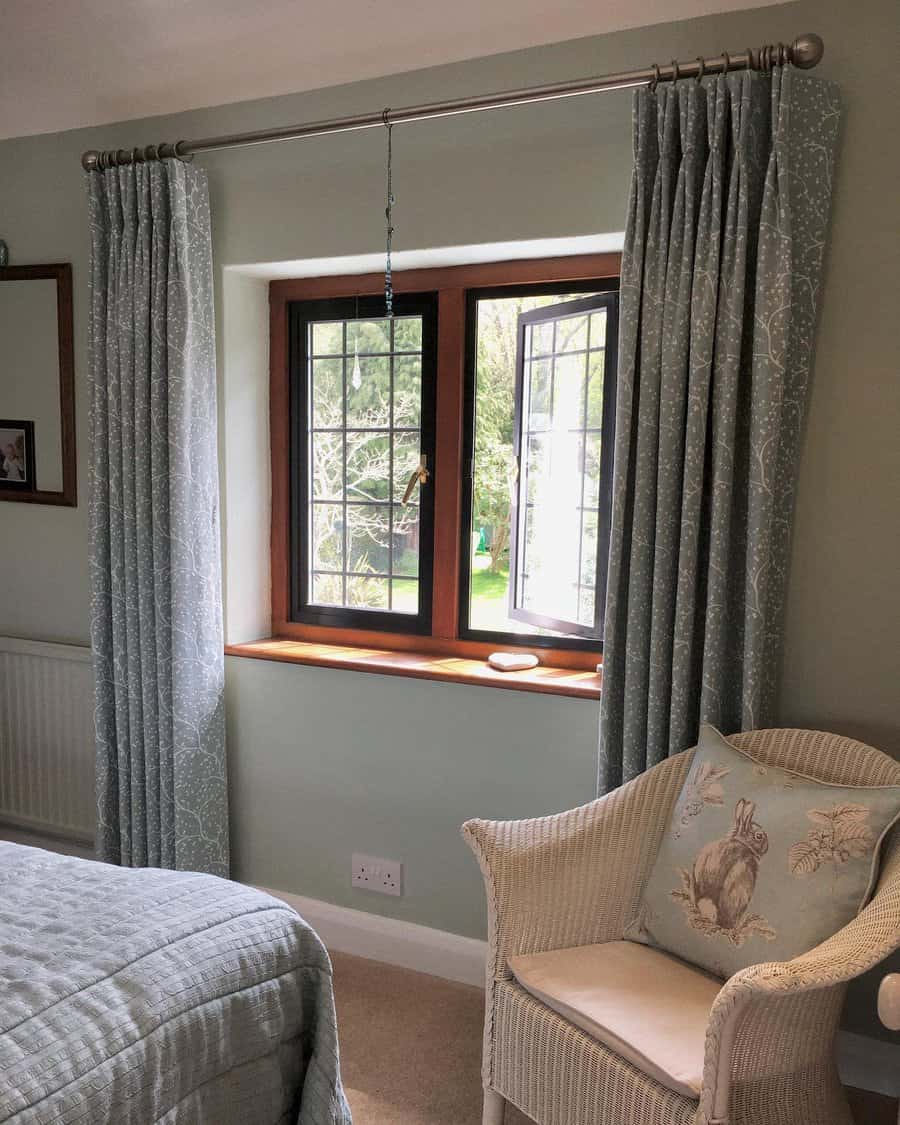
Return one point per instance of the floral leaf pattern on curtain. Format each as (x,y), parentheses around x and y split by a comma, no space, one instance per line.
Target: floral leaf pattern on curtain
(156,605)
(727,223)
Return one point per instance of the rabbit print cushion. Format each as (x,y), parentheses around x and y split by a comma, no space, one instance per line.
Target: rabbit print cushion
(759,864)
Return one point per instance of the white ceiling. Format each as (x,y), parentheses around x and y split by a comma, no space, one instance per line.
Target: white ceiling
(69,63)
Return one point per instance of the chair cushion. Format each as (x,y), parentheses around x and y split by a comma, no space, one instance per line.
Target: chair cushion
(648,1007)
(758,863)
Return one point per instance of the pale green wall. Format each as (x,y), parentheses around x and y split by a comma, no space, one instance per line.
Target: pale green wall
(325,762)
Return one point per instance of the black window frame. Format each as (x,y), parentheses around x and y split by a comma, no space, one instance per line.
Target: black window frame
(594,641)
(608,301)
(300,315)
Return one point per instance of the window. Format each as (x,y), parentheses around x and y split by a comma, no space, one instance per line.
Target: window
(362,400)
(541,408)
(560,446)
(440,480)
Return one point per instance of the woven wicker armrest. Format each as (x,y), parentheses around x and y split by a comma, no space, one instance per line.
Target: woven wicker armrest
(574,878)
(778,1017)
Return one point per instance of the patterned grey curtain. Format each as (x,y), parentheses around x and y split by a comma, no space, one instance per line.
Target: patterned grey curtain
(156,610)
(726,232)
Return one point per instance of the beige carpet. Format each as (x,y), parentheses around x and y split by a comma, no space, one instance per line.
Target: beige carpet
(410,1046)
(411,1049)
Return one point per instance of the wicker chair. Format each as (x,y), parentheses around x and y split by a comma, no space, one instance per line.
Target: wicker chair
(576,878)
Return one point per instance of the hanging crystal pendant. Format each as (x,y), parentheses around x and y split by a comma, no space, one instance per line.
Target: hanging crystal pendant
(356,377)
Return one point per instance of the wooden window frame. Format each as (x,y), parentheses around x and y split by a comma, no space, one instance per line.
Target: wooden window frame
(451,285)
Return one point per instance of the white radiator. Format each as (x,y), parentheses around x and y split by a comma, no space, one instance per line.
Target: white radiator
(47,739)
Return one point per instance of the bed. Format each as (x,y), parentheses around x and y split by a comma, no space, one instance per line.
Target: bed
(143,997)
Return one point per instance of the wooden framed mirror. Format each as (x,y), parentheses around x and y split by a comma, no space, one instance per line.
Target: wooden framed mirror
(37,385)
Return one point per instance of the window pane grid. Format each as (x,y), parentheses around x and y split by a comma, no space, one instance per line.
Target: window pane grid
(364,430)
(571,430)
(536,357)
(574,363)
(373,524)
(391,467)
(578,588)
(364,355)
(323,573)
(526,345)
(592,508)
(366,503)
(584,414)
(344,460)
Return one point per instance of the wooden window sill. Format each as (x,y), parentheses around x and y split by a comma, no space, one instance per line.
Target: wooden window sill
(423,666)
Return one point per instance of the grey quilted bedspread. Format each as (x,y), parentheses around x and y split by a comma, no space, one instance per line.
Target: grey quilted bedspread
(135,997)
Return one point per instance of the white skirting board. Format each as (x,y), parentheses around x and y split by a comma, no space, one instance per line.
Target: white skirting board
(405,944)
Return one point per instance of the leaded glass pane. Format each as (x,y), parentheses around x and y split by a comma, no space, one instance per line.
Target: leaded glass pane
(560,462)
(562,371)
(364,440)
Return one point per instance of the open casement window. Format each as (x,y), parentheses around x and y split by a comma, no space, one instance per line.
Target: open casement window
(563,443)
(362,406)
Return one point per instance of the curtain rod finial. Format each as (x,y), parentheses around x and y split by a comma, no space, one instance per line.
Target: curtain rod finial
(807,51)
(89,160)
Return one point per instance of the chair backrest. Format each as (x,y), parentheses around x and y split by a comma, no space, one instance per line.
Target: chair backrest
(823,756)
(834,758)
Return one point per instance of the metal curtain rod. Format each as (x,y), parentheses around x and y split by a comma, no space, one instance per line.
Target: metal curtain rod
(806,51)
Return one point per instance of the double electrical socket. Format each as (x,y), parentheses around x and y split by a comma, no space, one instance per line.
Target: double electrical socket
(370,873)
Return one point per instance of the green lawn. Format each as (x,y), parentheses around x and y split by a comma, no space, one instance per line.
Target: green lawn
(490,592)
(488,586)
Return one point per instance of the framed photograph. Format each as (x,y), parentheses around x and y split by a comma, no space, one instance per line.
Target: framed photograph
(16,455)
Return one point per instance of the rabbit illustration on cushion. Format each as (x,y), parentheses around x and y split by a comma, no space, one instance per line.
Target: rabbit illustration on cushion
(758,862)
(725,871)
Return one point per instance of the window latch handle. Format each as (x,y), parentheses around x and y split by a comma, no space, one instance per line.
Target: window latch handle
(419,475)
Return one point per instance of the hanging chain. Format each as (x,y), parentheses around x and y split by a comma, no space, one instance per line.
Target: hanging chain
(388,214)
